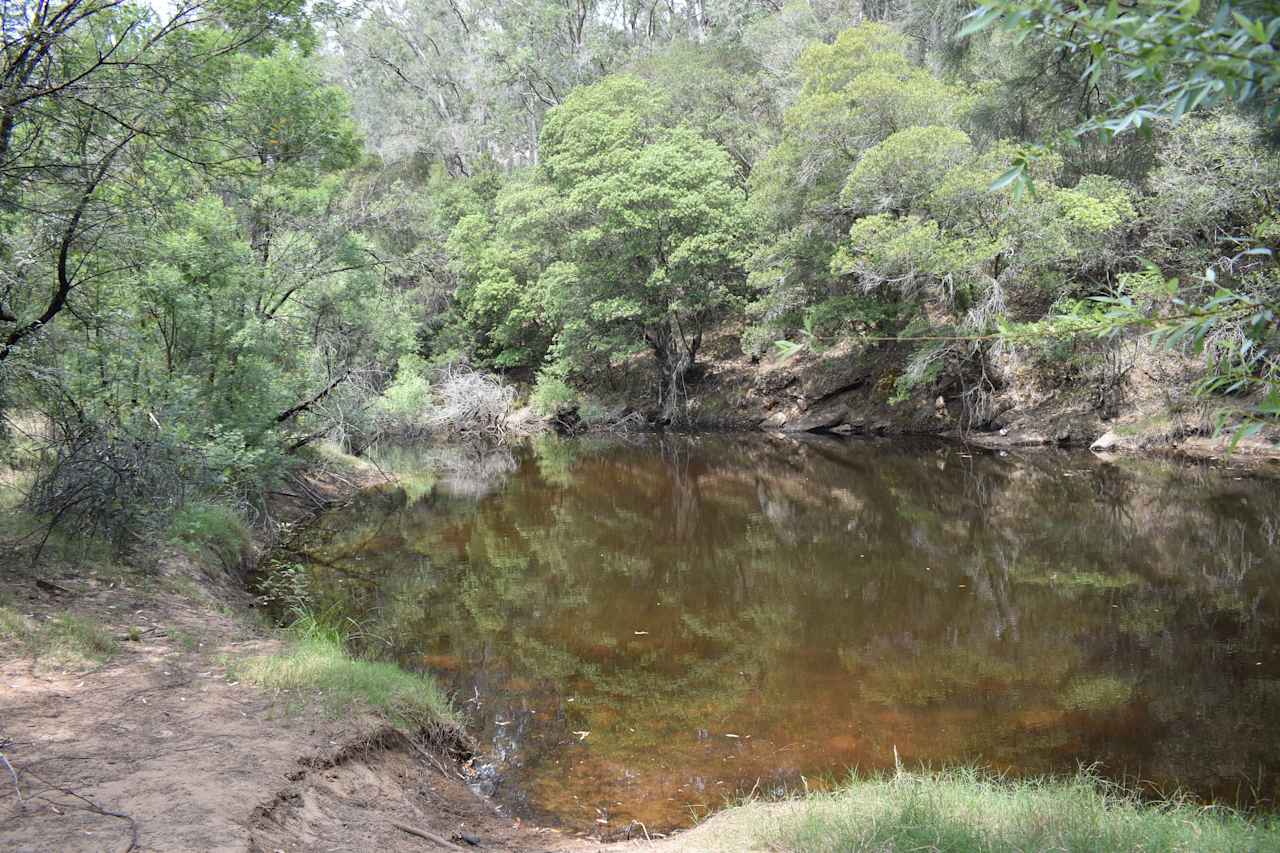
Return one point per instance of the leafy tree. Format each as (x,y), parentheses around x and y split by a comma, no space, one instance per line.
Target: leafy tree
(657,231)
(88,86)
(502,259)
(856,93)
(190,295)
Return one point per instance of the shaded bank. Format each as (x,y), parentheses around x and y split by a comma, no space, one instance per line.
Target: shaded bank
(1148,407)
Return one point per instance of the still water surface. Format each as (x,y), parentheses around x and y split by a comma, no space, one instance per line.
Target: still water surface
(640,630)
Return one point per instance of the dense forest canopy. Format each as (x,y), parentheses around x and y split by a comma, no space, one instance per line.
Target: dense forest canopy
(232,228)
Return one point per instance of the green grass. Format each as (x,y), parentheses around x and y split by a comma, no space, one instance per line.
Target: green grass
(204,527)
(66,640)
(14,626)
(186,640)
(316,662)
(969,810)
(330,456)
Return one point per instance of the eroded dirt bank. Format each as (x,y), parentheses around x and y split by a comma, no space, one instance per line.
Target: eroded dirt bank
(160,749)
(1146,404)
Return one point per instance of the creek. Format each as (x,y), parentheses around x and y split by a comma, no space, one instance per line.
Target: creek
(643,629)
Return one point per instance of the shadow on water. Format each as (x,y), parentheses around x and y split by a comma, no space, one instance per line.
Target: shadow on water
(642,629)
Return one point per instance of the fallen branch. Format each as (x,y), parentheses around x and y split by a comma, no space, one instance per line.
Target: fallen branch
(428,836)
(9,766)
(52,588)
(289,413)
(91,806)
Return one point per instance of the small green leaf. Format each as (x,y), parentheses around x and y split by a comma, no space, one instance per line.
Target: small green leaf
(1014,174)
(788,348)
(979,19)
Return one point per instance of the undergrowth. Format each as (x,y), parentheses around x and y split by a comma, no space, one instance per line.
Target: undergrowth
(201,526)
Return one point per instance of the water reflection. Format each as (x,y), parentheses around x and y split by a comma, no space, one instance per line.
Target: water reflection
(641,630)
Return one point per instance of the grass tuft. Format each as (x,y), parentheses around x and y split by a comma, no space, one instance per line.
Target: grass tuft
(317,660)
(15,626)
(969,810)
(65,640)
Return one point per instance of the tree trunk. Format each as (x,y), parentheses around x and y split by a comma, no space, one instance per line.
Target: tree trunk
(675,354)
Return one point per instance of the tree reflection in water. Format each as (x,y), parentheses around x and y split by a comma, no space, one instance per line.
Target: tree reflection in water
(722,614)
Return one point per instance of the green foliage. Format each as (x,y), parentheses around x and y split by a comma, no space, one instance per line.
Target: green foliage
(1178,54)
(851,314)
(283,588)
(630,234)
(205,300)
(856,93)
(217,528)
(1211,186)
(552,395)
(405,404)
(901,172)
(508,270)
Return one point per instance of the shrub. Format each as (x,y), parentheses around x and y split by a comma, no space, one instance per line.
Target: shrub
(112,483)
(552,395)
(468,401)
(405,405)
(217,528)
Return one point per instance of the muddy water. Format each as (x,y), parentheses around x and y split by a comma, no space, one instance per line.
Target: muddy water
(642,630)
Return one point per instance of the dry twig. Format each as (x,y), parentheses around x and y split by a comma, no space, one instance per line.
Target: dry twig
(424,834)
(90,806)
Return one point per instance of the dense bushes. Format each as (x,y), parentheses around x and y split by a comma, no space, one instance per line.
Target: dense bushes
(204,273)
(866,210)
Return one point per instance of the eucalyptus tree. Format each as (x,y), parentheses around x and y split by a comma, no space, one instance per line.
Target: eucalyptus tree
(657,231)
(187,284)
(463,82)
(88,86)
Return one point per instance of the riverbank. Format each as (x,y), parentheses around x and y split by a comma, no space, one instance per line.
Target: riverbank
(967,810)
(153,691)
(1144,404)
(148,705)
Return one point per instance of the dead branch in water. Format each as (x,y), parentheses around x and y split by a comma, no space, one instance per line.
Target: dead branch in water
(468,401)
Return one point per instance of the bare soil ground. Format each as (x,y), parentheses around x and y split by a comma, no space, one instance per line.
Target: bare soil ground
(159,750)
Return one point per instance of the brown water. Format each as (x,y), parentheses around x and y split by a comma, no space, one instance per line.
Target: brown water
(641,630)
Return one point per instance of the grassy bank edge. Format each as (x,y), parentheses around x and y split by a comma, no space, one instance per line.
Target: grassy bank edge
(969,809)
(316,666)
